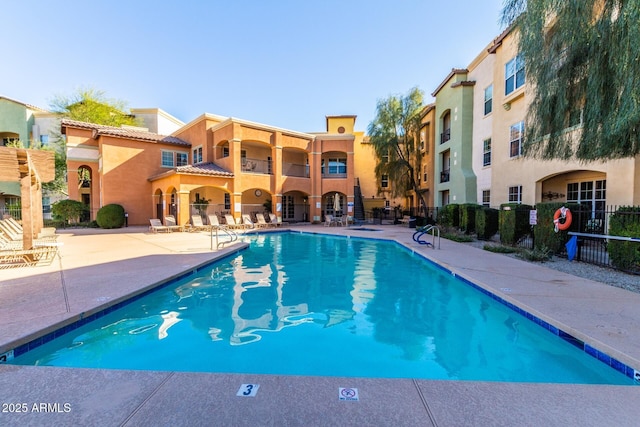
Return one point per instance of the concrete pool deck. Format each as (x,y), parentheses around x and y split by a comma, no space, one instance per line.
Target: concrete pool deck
(100,267)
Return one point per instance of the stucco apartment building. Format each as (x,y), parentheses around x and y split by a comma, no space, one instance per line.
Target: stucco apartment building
(217,164)
(480,113)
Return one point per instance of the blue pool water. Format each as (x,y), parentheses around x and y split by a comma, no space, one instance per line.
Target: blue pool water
(304,304)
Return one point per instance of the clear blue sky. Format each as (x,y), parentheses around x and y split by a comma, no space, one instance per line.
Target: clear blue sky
(282,63)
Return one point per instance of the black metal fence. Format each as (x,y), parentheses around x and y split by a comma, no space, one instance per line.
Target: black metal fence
(591,228)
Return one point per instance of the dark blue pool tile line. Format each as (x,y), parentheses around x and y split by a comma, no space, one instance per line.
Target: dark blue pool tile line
(24,348)
(590,350)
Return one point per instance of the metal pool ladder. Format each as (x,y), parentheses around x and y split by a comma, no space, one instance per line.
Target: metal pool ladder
(420,232)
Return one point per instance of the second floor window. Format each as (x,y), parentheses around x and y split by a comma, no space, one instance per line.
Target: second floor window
(516,134)
(182,159)
(384,181)
(513,74)
(335,166)
(486,198)
(488,100)
(424,173)
(486,152)
(197,155)
(167,159)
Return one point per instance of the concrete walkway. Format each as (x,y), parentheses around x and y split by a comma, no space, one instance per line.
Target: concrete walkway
(98,268)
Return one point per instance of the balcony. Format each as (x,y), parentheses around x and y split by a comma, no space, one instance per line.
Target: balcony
(294,169)
(251,165)
(444,176)
(445,136)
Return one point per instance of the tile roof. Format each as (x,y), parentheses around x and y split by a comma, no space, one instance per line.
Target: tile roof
(124,132)
(204,169)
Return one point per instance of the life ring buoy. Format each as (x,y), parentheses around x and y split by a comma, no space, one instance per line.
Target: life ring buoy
(562,213)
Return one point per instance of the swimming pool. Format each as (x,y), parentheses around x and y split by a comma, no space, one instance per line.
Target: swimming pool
(298,304)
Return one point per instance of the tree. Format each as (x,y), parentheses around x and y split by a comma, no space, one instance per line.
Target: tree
(393,133)
(86,105)
(582,64)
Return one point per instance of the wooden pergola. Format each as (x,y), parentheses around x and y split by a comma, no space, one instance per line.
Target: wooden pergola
(30,168)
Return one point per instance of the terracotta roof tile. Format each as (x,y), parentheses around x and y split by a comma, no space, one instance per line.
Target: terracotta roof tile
(204,169)
(124,133)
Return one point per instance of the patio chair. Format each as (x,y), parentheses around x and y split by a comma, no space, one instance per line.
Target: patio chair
(246,221)
(156,226)
(231,222)
(329,221)
(261,222)
(170,221)
(197,224)
(277,222)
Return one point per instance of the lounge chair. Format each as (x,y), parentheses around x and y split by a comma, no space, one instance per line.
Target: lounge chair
(214,221)
(231,222)
(10,234)
(197,224)
(246,221)
(170,221)
(157,227)
(262,223)
(46,231)
(41,255)
(277,222)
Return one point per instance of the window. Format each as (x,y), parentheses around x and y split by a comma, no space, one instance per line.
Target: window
(182,159)
(172,158)
(384,181)
(486,198)
(486,152)
(225,150)
(167,159)
(46,205)
(336,166)
(513,74)
(516,133)
(446,128)
(424,173)
(44,140)
(227,201)
(515,194)
(288,207)
(488,100)
(197,155)
(592,194)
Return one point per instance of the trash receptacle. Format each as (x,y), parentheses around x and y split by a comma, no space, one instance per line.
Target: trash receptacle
(412,223)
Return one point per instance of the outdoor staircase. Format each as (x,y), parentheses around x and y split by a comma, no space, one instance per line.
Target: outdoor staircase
(358,204)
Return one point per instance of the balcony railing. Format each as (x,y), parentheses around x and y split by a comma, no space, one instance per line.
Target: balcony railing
(256,166)
(444,175)
(445,136)
(295,169)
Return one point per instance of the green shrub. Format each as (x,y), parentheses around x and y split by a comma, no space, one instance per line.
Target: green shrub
(625,222)
(538,254)
(448,216)
(68,211)
(544,232)
(500,249)
(486,222)
(110,216)
(513,222)
(457,237)
(468,217)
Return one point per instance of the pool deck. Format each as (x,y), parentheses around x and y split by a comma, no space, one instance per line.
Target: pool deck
(98,268)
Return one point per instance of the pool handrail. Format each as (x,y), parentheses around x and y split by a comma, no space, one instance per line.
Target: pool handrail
(421,231)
